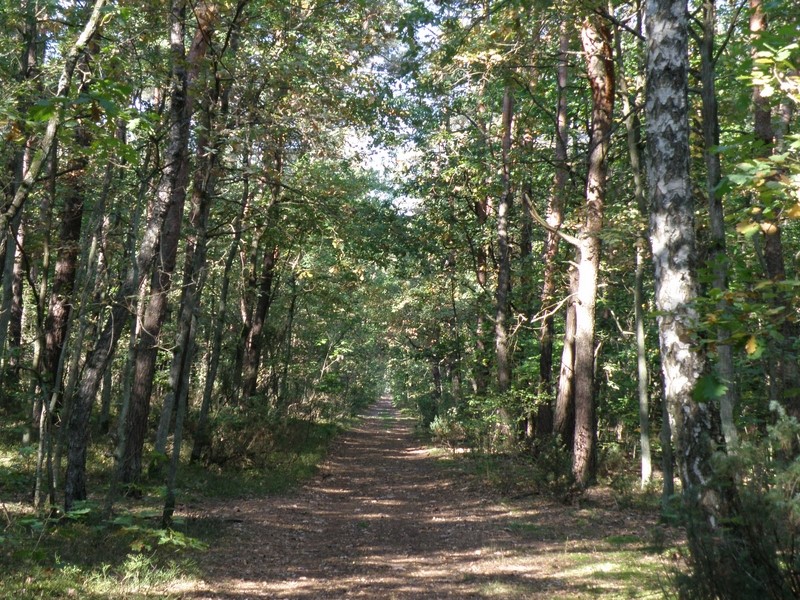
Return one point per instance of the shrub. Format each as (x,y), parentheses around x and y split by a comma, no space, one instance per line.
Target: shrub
(753,552)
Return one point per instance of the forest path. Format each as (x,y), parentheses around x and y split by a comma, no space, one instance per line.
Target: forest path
(385,519)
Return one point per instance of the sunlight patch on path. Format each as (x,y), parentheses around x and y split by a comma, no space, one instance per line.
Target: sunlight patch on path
(386,519)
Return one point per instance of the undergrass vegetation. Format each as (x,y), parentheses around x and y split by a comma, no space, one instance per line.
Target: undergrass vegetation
(606,542)
(87,553)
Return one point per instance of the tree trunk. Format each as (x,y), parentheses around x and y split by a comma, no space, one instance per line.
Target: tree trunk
(209,152)
(504,259)
(17,306)
(672,238)
(633,130)
(564,420)
(69,245)
(149,337)
(283,393)
(7,299)
(481,370)
(596,39)
(202,440)
(92,282)
(555,215)
(253,343)
(100,356)
(718,257)
(11,299)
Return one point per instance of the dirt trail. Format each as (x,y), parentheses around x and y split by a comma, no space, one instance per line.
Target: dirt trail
(383,520)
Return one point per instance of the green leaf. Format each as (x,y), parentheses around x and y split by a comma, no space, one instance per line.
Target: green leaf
(42,110)
(708,388)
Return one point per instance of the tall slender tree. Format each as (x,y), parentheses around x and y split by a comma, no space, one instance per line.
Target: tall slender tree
(672,237)
(596,40)
(205,14)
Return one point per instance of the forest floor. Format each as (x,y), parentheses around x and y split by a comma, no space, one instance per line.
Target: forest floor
(388,518)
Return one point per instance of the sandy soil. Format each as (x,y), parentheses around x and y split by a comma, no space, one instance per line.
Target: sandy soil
(384,519)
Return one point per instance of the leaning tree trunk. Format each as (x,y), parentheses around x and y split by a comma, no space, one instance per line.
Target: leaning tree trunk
(596,39)
(101,354)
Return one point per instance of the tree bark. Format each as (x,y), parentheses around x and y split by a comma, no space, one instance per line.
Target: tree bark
(672,238)
(596,39)
(564,420)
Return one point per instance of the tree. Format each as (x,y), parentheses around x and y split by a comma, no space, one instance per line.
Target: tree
(555,208)
(596,39)
(173,184)
(717,246)
(504,207)
(100,356)
(633,138)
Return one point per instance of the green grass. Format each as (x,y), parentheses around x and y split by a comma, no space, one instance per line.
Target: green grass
(83,555)
(588,556)
(617,574)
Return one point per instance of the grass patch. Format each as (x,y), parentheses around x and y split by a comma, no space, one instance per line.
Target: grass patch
(292,458)
(622,540)
(524,528)
(618,574)
(500,589)
(81,555)
(605,542)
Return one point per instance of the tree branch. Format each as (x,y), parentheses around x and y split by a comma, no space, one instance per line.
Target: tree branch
(570,239)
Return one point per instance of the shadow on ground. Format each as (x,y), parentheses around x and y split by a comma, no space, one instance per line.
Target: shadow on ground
(384,519)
